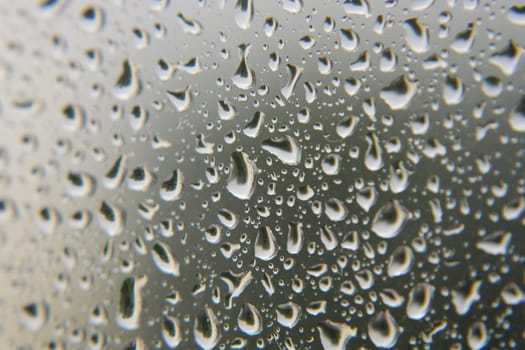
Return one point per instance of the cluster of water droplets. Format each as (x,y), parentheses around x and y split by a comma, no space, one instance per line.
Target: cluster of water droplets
(262,174)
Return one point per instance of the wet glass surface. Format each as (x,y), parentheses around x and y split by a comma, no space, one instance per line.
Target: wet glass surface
(262,174)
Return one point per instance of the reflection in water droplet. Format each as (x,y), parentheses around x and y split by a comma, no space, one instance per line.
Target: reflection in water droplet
(111,218)
(206,330)
(294,73)
(288,314)
(244,77)
(34,315)
(164,260)
(417,35)
(383,330)
(389,219)
(285,148)
(243,173)
(419,301)
(130,303)
(128,83)
(399,93)
(180,99)
(171,188)
(335,335)
(266,246)
(171,333)
(249,319)
(244,10)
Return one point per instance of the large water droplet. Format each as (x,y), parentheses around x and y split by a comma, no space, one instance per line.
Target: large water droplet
(389,219)
(243,173)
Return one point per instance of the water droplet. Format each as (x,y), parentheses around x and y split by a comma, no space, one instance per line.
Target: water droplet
(249,319)
(516,15)
(110,218)
(243,173)
(266,246)
(254,125)
(508,58)
(171,333)
(206,330)
(401,261)
(294,73)
(465,296)
(496,243)
(295,240)
(128,83)
(517,116)
(285,148)
(171,188)
(244,10)
(399,93)
(419,300)
(477,336)
(417,35)
(180,99)
(34,315)
(115,175)
(244,77)
(288,314)
(292,6)
(335,209)
(389,219)
(190,26)
(164,260)
(349,39)
(453,90)
(130,304)
(373,154)
(383,330)
(357,7)
(335,335)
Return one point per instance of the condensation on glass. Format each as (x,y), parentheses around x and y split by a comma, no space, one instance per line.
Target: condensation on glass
(262,174)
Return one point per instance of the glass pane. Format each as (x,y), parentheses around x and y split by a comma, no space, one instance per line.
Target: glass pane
(262,174)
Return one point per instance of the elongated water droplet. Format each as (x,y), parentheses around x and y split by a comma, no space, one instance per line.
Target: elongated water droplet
(206,330)
(244,10)
(294,73)
(164,260)
(128,83)
(171,332)
(243,173)
(517,116)
(130,303)
(171,188)
(249,319)
(111,218)
(266,246)
(419,300)
(417,35)
(115,174)
(253,127)
(243,77)
(373,154)
(349,39)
